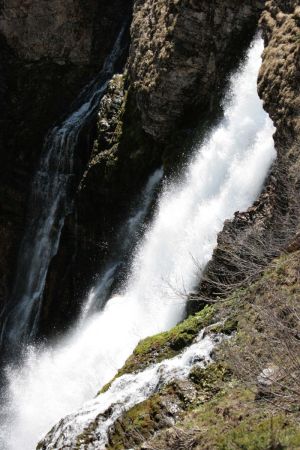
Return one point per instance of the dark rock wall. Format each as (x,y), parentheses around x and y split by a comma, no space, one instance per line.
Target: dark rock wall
(48,52)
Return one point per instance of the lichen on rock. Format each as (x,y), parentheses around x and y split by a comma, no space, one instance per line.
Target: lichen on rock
(181,52)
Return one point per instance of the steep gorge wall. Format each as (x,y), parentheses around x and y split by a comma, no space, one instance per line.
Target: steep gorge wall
(181,53)
(48,52)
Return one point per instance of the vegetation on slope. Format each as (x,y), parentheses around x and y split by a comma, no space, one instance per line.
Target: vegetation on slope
(248,398)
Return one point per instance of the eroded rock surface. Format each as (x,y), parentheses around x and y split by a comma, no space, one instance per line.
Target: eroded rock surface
(180,52)
(279,77)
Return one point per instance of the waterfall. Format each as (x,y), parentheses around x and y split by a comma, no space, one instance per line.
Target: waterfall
(126,392)
(50,202)
(225,174)
(125,241)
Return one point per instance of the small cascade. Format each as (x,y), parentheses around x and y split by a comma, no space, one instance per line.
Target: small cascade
(124,393)
(50,202)
(225,174)
(126,240)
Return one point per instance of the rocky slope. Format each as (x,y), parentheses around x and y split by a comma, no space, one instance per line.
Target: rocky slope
(248,398)
(235,405)
(179,52)
(227,404)
(49,51)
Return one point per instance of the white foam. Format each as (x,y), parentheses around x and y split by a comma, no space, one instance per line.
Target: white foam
(226,174)
(126,392)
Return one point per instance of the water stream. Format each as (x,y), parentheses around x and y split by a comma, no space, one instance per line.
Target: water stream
(225,174)
(50,202)
(125,242)
(126,392)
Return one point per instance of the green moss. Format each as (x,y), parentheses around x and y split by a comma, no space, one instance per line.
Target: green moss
(210,379)
(227,418)
(106,387)
(168,344)
(233,420)
(165,345)
(225,414)
(255,433)
(228,327)
(140,421)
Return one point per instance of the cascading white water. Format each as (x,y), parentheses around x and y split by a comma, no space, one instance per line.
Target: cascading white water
(226,174)
(126,239)
(50,202)
(126,392)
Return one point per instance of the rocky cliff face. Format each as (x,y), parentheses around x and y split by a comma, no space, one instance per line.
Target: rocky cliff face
(180,52)
(59,31)
(49,51)
(278,82)
(180,55)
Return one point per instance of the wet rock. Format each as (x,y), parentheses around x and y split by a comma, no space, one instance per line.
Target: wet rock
(156,413)
(48,52)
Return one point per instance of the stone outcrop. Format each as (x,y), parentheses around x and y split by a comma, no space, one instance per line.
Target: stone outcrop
(180,52)
(213,407)
(279,77)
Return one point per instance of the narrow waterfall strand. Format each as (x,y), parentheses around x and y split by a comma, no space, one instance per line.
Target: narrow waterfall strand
(50,202)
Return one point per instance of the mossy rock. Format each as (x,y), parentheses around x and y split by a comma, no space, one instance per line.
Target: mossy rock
(224,413)
(165,345)
(231,420)
(168,344)
(210,379)
(137,423)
